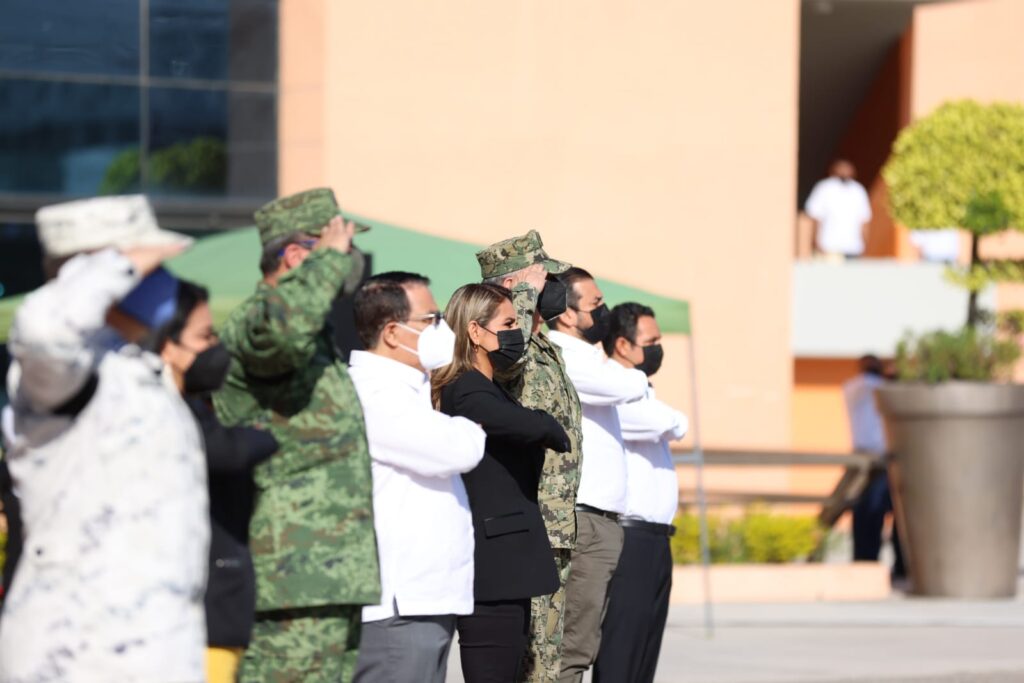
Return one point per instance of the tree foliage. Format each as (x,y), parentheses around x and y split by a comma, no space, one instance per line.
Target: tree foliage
(961,166)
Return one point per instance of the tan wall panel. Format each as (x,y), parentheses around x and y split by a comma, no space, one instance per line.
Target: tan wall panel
(653,143)
(967,49)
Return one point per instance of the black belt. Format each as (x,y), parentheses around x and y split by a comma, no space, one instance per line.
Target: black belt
(653,527)
(614,516)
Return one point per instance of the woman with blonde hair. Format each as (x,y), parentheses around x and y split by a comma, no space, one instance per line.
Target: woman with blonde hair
(512,556)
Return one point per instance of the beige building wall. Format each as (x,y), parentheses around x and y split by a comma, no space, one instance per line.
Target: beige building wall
(653,143)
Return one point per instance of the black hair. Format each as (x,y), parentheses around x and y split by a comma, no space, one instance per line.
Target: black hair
(190,295)
(270,257)
(572,298)
(623,323)
(380,300)
(871,365)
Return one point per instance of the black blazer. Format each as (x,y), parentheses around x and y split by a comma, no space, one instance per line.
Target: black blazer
(231,453)
(513,557)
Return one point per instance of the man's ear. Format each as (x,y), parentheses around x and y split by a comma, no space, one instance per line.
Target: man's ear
(622,347)
(567,319)
(389,335)
(508,283)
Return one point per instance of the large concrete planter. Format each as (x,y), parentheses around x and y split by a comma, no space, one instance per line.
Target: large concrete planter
(956,473)
(782,583)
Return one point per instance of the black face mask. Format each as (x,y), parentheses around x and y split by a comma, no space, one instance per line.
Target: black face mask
(601,327)
(653,355)
(511,347)
(551,303)
(208,371)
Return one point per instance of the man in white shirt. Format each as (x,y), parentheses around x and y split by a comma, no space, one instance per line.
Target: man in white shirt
(841,210)
(421,513)
(602,385)
(868,436)
(639,591)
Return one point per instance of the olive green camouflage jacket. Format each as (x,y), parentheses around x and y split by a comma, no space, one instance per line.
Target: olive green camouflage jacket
(539,381)
(311,534)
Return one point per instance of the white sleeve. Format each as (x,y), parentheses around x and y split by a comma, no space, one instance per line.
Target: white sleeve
(408,434)
(651,420)
(815,203)
(865,204)
(51,333)
(602,382)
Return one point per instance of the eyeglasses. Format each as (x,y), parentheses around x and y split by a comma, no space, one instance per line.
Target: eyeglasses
(434,319)
(305,244)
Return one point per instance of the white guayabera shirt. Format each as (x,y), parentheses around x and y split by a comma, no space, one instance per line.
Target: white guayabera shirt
(114,500)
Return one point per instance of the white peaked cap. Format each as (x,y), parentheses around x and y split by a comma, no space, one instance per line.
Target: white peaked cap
(100,222)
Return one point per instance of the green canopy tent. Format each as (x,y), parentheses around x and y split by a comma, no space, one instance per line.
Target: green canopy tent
(226,263)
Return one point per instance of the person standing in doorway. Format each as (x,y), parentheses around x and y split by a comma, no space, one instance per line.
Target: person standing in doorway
(841,211)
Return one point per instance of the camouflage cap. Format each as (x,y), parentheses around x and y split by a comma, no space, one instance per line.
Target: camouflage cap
(307,212)
(515,254)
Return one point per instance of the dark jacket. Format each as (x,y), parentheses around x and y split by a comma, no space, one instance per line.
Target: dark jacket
(513,557)
(231,453)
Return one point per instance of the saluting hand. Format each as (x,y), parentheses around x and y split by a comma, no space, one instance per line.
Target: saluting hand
(146,259)
(337,235)
(534,276)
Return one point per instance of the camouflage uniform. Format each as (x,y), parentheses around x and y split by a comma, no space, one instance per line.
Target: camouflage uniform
(311,535)
(539,381)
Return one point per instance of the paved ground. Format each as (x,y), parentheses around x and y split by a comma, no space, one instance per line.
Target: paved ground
(904,640)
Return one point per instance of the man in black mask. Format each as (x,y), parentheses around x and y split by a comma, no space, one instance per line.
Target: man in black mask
(196,363)
(639,591)
(602,385)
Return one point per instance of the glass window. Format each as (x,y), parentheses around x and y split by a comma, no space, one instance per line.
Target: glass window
(21,259)
(214,39)
(70,36)
(212,142)
(66,138)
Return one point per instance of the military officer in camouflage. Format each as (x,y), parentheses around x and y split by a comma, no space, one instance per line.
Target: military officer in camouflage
(311,535)
(539,381)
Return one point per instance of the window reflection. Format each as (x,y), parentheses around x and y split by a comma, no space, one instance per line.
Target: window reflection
(213,39)
(63,137)
(70,37)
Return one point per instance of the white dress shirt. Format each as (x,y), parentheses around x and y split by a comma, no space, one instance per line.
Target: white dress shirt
(652,488)
(841,209)
(113,501)
(421,512)
(866,426)
(602,385)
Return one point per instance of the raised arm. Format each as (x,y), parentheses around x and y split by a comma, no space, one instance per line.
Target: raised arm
(52,330)
(505,420)
(280,329)
(651,420)
(601,382)
(409,435)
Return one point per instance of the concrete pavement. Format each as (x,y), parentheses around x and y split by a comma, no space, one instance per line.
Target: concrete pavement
(904,640)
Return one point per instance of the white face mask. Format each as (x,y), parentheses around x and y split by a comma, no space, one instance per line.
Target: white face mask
(435,346)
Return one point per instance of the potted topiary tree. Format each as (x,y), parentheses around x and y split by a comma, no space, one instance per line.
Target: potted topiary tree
(956,425)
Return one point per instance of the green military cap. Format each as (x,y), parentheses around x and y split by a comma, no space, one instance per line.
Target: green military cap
(307,212)
(515,254)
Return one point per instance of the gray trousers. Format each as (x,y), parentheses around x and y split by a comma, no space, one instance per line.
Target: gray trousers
(598,546)
(405,650)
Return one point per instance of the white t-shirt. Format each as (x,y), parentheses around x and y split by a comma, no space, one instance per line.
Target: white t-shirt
(841,209)
(866,426)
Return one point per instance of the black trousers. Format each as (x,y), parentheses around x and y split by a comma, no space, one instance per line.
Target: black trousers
(492,641)
(637,609)
(868,520)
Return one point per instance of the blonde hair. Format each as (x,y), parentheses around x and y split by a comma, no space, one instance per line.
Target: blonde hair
(469,303)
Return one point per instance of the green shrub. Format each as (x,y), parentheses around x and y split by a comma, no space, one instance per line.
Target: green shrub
(969,354)
(757,536)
